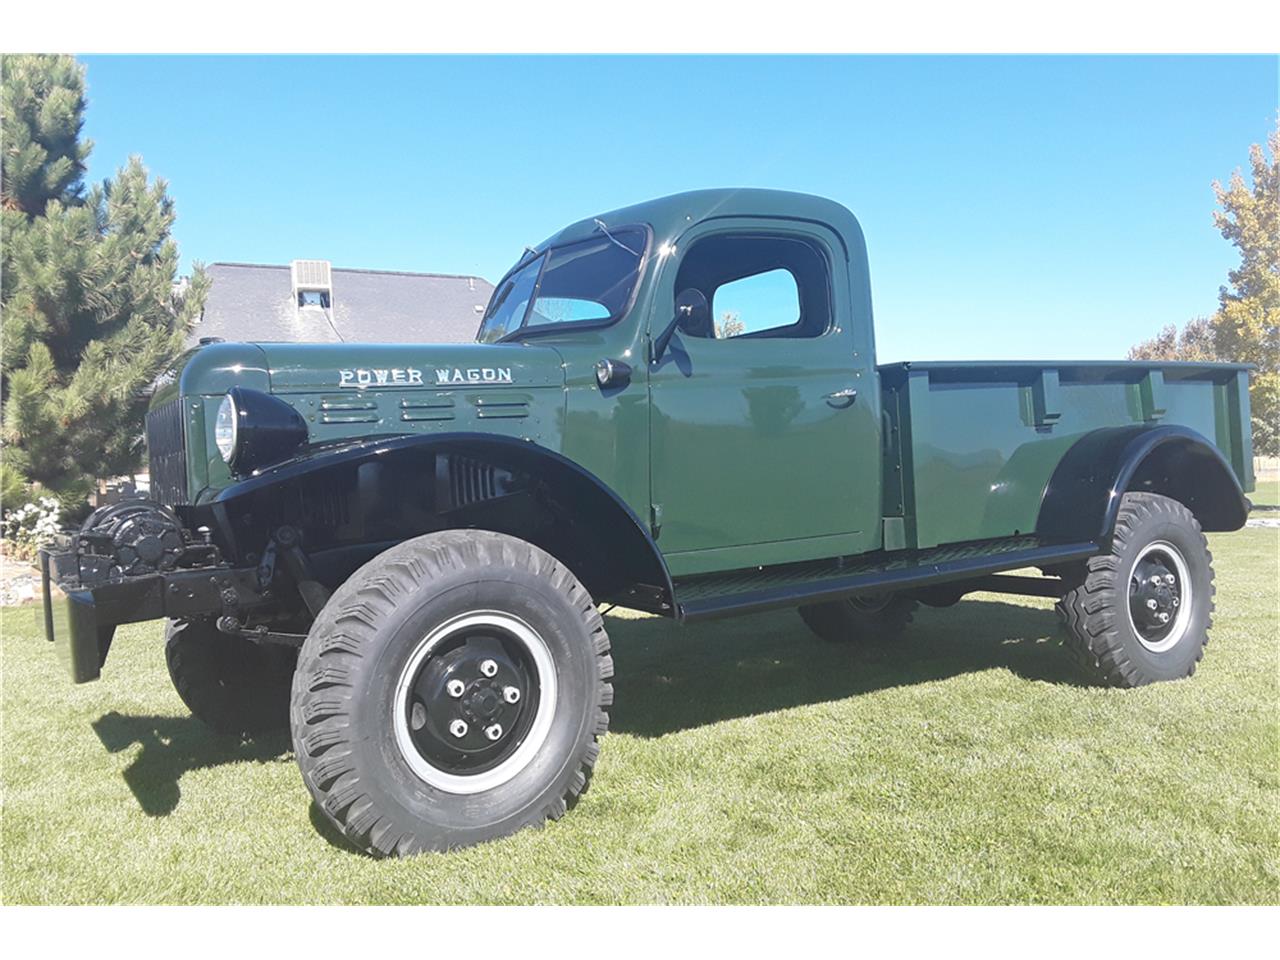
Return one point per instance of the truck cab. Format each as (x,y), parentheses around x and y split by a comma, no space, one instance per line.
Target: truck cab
(400,550)
(764,394)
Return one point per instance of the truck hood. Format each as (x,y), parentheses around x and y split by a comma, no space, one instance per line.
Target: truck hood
(300,368)
(348,391)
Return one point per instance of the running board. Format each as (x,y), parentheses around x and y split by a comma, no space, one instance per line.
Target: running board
(757,589)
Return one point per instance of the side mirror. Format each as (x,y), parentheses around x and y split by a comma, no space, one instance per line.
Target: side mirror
(692,315)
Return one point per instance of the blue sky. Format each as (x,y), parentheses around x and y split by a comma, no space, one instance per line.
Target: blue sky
(1013,206)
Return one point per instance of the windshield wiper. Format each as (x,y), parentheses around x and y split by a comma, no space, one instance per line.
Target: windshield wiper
(605,230)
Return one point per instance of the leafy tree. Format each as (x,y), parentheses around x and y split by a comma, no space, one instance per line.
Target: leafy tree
(90,313)
(1246,327)
(1247,324)
(729,325)
(1194,342)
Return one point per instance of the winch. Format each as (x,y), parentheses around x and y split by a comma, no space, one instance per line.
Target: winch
(136,537)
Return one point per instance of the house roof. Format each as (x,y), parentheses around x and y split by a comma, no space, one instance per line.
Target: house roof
(255,302)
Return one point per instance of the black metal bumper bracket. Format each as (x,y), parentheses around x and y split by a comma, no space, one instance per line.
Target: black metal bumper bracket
(81,613)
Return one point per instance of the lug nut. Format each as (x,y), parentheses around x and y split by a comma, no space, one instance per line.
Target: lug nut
(1151,604)
(1164,618)
(1174,601)
(494,731)
(458,728)
(510,694)
(1170,579)
(1155,580)
(455,687)
(488,668)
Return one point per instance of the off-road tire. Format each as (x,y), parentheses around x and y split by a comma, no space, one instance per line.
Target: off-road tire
(230,684)
(860,619)
(1102,633)
(363,644)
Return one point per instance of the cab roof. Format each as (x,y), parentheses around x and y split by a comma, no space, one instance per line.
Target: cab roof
(669,217)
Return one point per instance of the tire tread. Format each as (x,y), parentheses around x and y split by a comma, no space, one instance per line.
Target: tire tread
(229,683)
(1089,611)
(347,627)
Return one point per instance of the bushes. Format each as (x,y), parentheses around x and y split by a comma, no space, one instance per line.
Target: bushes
(30,527)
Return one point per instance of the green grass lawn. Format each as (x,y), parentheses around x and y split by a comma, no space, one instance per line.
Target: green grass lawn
(747,763)
(1267,495)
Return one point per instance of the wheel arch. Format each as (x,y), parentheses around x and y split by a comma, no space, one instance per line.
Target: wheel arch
(1082,498)
(590,528)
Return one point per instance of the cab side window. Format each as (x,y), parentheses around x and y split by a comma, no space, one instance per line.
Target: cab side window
(759,286)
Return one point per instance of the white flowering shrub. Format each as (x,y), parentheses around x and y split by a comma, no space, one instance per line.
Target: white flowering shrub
(30,527)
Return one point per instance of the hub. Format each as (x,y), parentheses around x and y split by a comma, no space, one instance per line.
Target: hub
(1158,586)
(471,701)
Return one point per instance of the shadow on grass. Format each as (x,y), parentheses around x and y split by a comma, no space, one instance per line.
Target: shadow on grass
(172,746)
(669,678)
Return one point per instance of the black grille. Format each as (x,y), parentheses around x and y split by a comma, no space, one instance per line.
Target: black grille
(167,456)
(471,481)
(322,505)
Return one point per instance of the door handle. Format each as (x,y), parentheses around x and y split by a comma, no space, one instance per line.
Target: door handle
(842,398)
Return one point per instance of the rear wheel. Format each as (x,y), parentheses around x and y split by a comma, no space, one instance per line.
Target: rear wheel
(875,618)
(1141,612)
(452,691)
(229,683)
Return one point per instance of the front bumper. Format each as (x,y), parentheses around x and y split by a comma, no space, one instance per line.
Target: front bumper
(72,622)
(82,609)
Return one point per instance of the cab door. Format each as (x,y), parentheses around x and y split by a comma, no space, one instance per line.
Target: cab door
(764,426)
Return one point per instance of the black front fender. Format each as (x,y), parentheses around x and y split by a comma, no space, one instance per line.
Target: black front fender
(615,531)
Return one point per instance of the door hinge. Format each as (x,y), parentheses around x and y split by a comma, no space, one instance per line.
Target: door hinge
(655,519)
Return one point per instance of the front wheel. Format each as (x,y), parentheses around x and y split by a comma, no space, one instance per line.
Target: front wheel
(452,691)
(1141,612)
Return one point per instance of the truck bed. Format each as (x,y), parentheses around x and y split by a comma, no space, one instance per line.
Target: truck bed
(971,447)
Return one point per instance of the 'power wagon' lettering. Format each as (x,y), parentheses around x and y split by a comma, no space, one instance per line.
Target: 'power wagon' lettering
(473,375)
(358,378)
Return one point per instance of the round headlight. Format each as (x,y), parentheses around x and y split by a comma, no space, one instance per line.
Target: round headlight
(224,428)
(253,430)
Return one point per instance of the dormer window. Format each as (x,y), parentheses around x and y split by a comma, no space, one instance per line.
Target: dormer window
(313,298)
(311,274)
(312,286)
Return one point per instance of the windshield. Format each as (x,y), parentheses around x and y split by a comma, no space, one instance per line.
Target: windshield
(588,282)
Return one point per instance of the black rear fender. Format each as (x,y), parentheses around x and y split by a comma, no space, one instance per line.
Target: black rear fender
(1082,498)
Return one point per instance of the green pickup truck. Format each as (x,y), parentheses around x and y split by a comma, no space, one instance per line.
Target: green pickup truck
(401,550)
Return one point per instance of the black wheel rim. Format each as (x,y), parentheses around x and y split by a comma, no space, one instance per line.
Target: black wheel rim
(474,700)
(1159,596)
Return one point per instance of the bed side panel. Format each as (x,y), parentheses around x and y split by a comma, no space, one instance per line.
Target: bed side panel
(980,441)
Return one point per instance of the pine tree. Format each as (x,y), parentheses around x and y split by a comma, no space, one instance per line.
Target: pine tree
(1247,324)
(90,313)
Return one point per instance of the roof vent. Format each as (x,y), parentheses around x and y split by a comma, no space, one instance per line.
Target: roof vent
(312,283)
